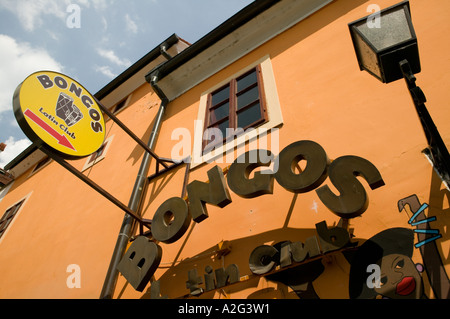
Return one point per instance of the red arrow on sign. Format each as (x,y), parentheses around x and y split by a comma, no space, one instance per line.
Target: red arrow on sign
(62,139)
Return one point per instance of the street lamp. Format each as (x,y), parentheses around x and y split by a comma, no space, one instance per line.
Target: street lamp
(383,39)
(386,47)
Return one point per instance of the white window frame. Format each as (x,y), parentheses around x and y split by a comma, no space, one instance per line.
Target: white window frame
(16,215)
(127,102)
(88,164)
(5,190)
(35,169)
(275,117)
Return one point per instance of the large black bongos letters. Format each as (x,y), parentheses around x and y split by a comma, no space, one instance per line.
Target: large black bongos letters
(172,219)
(352,201)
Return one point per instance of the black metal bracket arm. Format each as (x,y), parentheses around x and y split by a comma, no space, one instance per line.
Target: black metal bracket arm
(167,164)
(160,161)
(436,151)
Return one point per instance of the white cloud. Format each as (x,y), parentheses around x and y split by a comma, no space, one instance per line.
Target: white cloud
(13,148)
(105,24)
(17,61)
(97,4)
(54,35)
(113,58)
(130,24)
(102,4)
(105,70)
(31,12)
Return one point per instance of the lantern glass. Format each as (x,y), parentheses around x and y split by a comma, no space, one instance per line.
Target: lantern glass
(367,56)
(393,29)
(383,39)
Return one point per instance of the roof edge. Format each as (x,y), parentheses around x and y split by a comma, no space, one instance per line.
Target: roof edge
(230,25)
(22,156)
(133,69)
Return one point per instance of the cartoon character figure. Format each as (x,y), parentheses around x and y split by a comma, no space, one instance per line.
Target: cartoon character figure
(427,237)
(391,250)
(400,277)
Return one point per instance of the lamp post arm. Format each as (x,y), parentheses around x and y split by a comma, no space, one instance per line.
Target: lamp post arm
(436,150)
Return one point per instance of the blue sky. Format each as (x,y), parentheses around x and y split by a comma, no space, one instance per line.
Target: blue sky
(93,47)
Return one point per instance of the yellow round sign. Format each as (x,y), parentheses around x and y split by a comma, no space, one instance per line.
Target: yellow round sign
(54,109)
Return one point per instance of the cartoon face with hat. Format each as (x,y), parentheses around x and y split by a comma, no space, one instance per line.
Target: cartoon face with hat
(400,277)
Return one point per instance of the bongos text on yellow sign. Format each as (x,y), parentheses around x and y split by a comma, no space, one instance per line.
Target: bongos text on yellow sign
(54,109)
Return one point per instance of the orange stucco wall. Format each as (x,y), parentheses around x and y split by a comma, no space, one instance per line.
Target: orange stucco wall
(64,222)
(323,97)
